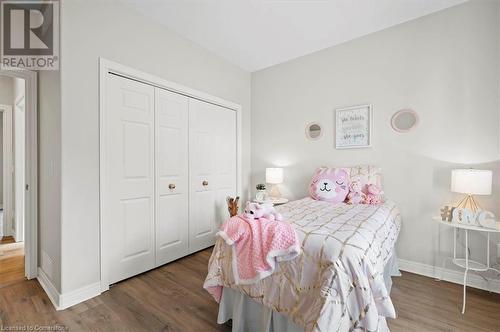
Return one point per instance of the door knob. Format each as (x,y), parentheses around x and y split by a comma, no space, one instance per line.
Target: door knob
(205,183)
(171,186)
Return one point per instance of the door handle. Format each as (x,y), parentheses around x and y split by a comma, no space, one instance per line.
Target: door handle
(205,183)
(171,186)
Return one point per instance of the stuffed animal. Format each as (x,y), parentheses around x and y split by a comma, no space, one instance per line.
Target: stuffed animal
(356,195)
(232,205)
(373,194)
(330,184)
(257,211)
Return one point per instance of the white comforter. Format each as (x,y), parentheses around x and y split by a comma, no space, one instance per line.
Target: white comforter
(337,283)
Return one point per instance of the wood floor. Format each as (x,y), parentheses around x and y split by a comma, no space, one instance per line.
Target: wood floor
(171,298)
(11,261)
(7,240)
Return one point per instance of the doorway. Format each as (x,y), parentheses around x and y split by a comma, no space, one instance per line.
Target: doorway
(12,101)
(18,162)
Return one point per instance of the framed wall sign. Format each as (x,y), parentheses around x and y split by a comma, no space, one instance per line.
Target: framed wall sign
(353,127)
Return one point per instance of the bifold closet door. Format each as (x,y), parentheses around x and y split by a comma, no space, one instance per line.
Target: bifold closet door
(128,224)
(212,169)
(172,192)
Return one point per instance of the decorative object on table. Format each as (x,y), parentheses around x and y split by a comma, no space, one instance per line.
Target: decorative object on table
(405,120)
(447,213)
(330,184)
(232,205)
(258,210)
(353,127)
(464,216)
(356,194)
(261,195)
(274,176)
(471,182)
(260,187)
(486,219)
(373,194)
(313,131)
(481,218)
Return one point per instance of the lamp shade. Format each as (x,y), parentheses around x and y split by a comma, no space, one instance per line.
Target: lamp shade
(274,175)
(471,181)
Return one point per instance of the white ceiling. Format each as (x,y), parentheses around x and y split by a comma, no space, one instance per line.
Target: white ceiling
(255,34)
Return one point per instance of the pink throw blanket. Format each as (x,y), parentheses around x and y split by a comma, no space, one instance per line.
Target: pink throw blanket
(257,246)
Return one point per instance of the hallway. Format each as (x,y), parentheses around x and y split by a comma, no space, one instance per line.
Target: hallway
(11,261)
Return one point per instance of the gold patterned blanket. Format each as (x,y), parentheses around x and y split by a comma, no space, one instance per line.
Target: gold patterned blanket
(337,283)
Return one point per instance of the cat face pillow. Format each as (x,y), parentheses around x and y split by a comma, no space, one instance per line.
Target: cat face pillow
(330,184)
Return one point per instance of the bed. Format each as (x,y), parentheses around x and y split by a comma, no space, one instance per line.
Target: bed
(340,281)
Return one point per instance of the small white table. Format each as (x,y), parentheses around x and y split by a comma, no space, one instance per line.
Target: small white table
(273,201)
(466,263)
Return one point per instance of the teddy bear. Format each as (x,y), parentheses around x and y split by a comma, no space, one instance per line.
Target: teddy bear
(356,195)
(257,211)
(232,205)
(373,194)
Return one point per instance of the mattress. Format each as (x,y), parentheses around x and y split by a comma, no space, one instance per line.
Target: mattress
(337,283)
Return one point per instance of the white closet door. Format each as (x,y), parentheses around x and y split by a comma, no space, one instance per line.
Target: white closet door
(225,162)
(212,167)
(172,192)
(129,178)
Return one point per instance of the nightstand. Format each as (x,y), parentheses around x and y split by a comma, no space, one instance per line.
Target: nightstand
(465,262)
(274,201)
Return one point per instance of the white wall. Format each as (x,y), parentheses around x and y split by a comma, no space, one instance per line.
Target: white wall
(445,66)
(93,29)
(18,110)
(49,175)
(6,90)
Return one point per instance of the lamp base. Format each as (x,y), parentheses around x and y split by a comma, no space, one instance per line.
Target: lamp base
(468,202)
(275,192)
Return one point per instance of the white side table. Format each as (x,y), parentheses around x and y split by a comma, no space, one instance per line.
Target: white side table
(274,201)
(466,263)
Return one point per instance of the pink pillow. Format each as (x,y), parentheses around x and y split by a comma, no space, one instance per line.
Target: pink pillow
(330,184)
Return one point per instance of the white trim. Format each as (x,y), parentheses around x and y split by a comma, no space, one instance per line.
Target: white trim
(64,301)
(454,276)
(19,165)
(79,295)
(31,169)
(108,66)
(49,288)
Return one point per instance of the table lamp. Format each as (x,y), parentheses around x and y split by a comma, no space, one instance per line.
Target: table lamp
(471,182)
(274,176)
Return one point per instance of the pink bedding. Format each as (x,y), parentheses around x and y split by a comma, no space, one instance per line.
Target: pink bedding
(336,283)
(257,247)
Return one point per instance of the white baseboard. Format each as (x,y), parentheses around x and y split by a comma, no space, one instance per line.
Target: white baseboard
(457,277)
(49,288)
(79,295)
(64,301)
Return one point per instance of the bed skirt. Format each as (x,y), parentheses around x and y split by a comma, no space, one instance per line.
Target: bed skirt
(248,315)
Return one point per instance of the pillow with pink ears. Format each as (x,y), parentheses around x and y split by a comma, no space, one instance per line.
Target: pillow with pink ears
(330,184)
